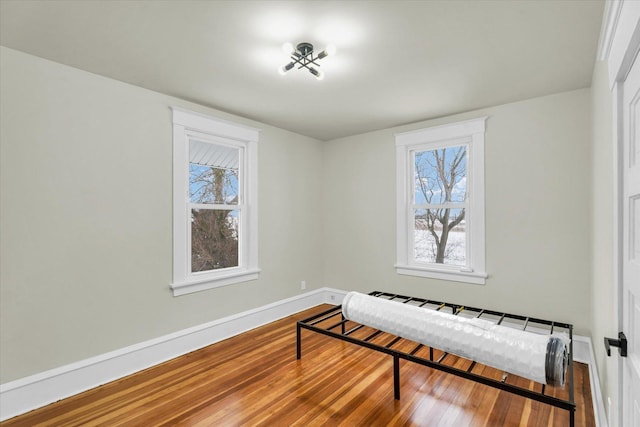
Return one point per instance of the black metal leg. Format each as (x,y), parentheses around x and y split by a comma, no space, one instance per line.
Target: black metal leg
(572,411)
(396,377)
(572,417)
(298,346)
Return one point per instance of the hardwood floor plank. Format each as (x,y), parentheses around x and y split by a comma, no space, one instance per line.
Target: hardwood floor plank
(254,379)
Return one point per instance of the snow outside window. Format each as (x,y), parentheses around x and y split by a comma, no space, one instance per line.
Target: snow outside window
(440,202)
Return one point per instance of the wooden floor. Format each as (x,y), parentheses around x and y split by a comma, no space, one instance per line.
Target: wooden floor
(255,379)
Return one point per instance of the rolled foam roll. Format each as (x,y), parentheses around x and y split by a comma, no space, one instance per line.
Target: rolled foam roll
(541,358)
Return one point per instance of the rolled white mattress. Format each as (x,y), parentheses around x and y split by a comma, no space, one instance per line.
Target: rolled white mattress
(541,358)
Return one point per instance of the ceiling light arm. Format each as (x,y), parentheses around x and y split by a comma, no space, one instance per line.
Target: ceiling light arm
(304,61)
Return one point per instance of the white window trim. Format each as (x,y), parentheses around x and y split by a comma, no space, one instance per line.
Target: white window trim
(469,132)
(186,123)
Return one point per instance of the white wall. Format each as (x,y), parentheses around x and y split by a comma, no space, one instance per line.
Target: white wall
(537,161)
(85,217)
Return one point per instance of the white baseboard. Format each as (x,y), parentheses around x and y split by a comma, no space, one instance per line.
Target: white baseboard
(23,395)
(583,352)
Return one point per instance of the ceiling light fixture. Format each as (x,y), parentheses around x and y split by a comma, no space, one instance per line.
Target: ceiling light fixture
(302,56)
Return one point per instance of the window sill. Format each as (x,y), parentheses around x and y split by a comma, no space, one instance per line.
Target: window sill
(443,274)
(197,284)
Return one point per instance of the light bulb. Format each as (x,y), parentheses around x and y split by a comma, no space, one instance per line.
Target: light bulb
(287,48)
(328,51)
(283,70)
(319,74)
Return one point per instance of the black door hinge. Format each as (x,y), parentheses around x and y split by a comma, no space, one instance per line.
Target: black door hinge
(621,342)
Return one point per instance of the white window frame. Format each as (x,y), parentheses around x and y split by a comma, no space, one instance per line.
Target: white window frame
(188,125)
(471,134)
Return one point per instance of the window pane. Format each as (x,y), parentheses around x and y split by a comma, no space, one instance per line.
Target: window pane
(213,173)
(214,239)
(440,236)
(441,175)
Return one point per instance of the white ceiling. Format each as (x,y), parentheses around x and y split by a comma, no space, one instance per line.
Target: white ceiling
(397,62)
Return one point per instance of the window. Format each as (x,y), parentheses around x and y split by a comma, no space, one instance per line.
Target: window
(215,203)
(440,202)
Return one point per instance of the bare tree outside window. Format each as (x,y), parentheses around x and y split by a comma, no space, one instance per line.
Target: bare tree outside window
(213,187)
(440,202)
(440,205)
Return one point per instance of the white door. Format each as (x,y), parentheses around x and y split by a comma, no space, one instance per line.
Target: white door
(630,297)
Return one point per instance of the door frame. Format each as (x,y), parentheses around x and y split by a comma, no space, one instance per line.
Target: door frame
(619,45)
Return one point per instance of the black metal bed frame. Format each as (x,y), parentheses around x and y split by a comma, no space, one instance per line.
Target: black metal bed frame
(312,323)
